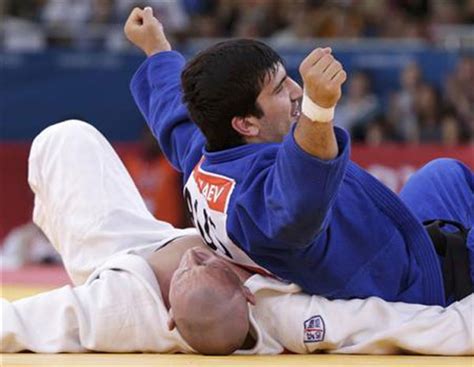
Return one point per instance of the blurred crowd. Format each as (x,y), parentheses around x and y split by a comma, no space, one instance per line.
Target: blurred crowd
(417,112)
(83,21)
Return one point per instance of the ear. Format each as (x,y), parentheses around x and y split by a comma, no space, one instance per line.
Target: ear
(246,126)
(171,323)
(249,295)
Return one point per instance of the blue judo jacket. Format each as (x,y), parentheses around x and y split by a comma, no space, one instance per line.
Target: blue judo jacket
(328,226)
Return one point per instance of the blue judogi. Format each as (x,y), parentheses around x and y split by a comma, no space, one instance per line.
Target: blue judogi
(443,189)
(328,226)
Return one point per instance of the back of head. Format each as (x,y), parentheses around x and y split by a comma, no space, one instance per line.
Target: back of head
(223,82)
(212,320)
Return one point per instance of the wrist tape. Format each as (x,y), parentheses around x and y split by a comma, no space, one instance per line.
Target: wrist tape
(315,112)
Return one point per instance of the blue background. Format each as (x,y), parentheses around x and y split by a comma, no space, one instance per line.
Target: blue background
(39,89)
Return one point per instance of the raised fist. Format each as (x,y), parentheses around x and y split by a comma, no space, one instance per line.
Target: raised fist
(323,77)
(146,32)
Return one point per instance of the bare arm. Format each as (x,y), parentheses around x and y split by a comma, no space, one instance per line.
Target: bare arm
(323,77)
(316,138)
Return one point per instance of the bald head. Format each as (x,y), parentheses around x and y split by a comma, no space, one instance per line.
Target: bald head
(212,320)
(209,304)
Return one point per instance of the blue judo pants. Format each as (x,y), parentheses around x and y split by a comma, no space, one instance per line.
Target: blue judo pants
(443,189)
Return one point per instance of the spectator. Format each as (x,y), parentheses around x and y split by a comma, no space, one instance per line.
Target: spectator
(203,18)
(358,106)
(250,18)
(450,130)
(374,135)
(427,107)
(171,13)
(402,112)
(446,12)
(469,12)
(297,23)
(459,94)
(19,27)
(379,131)
(65,21)
(101,29)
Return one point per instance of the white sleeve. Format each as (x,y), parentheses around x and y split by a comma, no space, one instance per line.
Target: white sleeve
(46,323)
(116,312)
(306,324)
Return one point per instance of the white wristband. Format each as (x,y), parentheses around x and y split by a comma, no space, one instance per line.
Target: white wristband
(314,111)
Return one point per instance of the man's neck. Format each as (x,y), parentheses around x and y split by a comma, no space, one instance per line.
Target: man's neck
(166,260)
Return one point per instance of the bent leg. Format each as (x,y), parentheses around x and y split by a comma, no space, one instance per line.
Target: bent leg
(85,200)
(443,189)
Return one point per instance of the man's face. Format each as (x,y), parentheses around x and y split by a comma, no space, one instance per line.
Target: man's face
(280,101)
(200,265)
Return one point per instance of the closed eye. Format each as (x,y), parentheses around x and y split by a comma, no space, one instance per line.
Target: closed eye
(279,87)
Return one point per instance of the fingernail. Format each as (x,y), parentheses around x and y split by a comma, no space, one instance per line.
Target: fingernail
(148,8)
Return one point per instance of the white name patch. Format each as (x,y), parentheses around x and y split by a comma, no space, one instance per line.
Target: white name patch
(314,329)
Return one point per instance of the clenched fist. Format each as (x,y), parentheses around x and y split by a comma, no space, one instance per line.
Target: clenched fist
(146,32)
(323,77)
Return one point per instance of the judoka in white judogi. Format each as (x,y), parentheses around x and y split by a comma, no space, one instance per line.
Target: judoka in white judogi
(89,208)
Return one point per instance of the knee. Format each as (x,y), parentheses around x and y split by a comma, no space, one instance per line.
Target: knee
(442,165)
(445,169)
(62,133)
(67,128)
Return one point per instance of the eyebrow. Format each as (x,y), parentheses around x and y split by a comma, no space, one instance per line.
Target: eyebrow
(280,83)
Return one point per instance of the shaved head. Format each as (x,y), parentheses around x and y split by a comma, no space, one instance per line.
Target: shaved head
(209,304)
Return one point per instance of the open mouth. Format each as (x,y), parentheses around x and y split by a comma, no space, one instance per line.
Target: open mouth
(296,109)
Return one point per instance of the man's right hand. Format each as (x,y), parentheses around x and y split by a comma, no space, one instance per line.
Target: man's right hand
(146,32)
(323,77)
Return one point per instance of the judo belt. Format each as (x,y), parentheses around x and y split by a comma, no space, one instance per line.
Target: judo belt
(451,246)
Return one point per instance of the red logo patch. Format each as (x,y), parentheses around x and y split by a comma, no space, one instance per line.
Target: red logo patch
(216,189)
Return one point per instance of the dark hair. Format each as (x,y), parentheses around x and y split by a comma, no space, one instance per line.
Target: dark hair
(223,82)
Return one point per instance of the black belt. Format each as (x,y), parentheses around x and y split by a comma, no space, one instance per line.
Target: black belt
(451,246)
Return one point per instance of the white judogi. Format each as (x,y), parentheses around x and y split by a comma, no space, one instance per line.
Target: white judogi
(308,324)
(120,309)
(88,206)
(114,311)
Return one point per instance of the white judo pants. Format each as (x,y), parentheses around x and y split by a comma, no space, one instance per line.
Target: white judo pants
(86,202)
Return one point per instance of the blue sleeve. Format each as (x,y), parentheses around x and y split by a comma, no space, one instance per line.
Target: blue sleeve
(288,203)
(156,88)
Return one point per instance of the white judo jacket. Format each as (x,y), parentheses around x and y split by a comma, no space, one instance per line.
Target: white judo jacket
(120,309)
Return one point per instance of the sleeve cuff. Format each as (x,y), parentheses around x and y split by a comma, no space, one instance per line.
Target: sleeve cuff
(157,67)
(165,56)
(164,65)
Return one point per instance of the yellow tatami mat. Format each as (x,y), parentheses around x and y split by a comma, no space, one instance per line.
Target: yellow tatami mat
(101,359)
(197,361)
